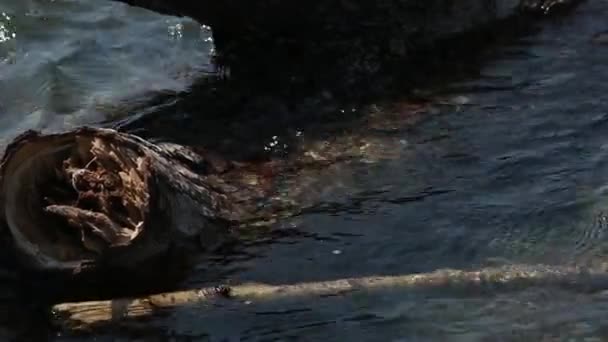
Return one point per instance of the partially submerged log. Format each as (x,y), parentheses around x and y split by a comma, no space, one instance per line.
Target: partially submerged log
(93,314)
(96,197)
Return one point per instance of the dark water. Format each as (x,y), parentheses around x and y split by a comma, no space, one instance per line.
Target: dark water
(512,170)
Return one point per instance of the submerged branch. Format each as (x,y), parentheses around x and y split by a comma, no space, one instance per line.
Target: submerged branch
(86,315)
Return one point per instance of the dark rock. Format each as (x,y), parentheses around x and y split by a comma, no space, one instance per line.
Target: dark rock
(396,22)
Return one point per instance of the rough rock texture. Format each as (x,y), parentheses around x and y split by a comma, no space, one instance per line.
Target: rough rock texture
(253,37)
(392,20)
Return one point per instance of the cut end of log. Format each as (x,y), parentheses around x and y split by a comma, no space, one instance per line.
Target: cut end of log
(69,199)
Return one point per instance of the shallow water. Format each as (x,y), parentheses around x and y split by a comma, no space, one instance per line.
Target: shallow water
(512,171)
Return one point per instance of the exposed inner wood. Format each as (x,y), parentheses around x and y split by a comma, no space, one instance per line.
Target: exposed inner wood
(73,200)
(107,194)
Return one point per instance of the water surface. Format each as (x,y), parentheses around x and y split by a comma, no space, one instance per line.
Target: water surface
(69,63)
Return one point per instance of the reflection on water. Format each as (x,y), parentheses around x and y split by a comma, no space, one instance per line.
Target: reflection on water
(7,32)
(507,166)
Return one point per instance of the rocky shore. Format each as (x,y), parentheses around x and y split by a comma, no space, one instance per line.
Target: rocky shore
(258,31)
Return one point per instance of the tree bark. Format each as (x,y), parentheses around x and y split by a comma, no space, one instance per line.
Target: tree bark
(96,197)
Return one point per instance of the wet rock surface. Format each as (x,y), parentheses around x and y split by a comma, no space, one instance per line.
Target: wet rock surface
(264,32)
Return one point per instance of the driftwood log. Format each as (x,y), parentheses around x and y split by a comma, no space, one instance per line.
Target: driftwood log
(95,314)
(96,197)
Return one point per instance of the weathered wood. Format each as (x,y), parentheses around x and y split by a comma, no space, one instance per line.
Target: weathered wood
(87,315)
(94,197)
